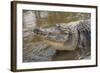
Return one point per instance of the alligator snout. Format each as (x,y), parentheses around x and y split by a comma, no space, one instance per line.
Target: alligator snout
(39,32)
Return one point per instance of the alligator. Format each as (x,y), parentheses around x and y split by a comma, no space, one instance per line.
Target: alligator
(68,36)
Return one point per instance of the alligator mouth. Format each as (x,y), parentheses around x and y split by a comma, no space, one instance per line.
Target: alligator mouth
(40,33)
(52,36)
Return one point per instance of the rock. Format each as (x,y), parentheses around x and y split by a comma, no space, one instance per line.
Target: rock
(41,52)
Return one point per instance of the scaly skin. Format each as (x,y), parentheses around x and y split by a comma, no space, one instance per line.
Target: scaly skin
(58,44)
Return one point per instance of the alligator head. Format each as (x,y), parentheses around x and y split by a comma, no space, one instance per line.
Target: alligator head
(62,38)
